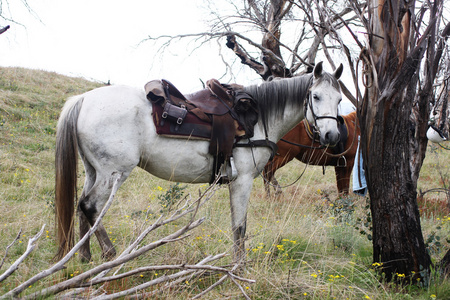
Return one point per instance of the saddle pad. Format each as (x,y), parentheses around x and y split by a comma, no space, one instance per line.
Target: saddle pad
(191,128)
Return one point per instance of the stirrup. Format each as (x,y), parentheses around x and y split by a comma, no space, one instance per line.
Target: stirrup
(344,160)
(228,171)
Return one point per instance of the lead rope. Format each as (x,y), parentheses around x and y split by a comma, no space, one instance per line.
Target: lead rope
(290,184)
(273,185)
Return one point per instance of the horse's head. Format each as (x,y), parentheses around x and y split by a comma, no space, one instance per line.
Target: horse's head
(322,104)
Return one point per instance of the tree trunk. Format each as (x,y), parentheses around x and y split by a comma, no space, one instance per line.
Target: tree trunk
(386,131)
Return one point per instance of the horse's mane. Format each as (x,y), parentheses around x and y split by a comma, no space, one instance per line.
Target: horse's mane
(273,96)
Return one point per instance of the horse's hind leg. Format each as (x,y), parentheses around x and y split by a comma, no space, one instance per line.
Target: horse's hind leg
(269,177)
(85,251)
(90,206)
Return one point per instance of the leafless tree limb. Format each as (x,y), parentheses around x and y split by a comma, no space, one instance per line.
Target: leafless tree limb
(187,270)
(30,248)
(2,30)
(9,246)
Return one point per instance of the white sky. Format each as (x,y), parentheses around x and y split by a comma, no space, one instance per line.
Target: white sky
(99,40)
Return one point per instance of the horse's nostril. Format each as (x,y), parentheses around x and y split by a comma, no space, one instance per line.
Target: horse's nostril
(331,138)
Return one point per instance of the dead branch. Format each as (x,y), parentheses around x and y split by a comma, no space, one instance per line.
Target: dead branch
(190,270)
(2,30)
(9,246)
(182,211)
(78,280)
(30,248)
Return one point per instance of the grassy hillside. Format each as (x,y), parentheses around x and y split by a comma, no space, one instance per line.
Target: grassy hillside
(307,244)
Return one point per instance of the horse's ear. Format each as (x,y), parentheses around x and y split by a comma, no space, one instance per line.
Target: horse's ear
(318,70)
(337,74)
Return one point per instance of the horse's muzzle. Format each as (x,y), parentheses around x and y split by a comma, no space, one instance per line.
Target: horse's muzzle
(330,138)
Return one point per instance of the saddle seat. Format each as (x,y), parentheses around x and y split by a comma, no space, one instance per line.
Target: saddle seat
(219,114)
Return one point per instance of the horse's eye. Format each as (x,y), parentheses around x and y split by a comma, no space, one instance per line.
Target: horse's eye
(315,97)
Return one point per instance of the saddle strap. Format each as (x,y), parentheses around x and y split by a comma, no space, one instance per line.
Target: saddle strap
(261,143)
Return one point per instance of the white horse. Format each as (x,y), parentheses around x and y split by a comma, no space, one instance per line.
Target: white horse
(113,131)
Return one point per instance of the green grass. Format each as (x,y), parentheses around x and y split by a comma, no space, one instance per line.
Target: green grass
(304,245)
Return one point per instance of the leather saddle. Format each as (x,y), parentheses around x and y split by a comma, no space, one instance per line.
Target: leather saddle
(218,113)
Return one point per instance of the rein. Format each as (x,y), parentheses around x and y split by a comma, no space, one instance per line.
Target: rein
(446,148)
(303,146)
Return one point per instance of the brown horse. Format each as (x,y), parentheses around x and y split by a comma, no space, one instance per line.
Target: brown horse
(298,144)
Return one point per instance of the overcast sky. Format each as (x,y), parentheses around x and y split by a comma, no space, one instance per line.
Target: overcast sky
(101,40)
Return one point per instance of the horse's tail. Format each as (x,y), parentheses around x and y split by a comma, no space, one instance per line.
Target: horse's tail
(66,156)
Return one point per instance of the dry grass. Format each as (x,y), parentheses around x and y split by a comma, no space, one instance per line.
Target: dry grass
(300,245)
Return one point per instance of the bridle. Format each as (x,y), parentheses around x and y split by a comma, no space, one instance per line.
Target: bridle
(308,104)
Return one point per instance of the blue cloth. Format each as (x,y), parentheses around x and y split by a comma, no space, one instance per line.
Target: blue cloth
(359,178)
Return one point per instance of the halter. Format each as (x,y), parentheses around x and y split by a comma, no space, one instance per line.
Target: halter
(308,104)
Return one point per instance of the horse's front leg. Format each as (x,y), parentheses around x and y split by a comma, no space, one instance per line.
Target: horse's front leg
(240,190)
(267,177)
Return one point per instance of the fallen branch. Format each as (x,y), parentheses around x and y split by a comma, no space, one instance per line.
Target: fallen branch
(177,214)
(189,269)
(9,246)
(30,248)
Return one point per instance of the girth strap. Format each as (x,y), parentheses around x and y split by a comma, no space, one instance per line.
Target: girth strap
(261,143)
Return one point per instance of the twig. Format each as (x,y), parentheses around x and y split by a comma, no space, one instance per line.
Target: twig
(30,248)
(2,30)
(9,246)
(218,282)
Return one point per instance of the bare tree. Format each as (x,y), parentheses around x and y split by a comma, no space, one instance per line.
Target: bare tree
(394,117)
(275,38)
